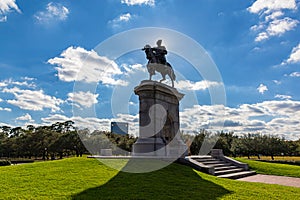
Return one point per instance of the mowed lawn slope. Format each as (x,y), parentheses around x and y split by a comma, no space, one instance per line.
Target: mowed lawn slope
(272,168)
(83,178)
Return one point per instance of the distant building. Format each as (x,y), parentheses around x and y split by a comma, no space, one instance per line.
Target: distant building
(119,128)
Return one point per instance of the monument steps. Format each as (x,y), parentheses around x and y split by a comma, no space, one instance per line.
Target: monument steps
(219,165)
(213,162)
(204,159)
(229,171)
(238,175)
(223,164)
(225,168)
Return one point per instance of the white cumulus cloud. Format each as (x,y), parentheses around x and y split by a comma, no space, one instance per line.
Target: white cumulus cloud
(133,68)
(11,82)
(7,6)
(53,12)
(125,17)
(261,36)
(85,99)
(294,56)
(277,82)
(282,96)
(295,74)
(26,117)
(280,26)
(138,2)
(120,20)
(199,85)
(3,19)
(271,5)
(262,88)
(3,84)
(78,64)
(33,99)
(277,27)
(272,18)
(5,109)
(274,15)
(279,118)
(26,78)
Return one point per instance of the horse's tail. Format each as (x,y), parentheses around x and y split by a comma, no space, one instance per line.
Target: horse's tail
(173,75)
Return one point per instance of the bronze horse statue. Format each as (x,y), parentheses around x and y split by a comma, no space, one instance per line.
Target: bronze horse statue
(159,64)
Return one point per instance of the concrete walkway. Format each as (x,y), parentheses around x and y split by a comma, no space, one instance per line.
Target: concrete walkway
(280,180)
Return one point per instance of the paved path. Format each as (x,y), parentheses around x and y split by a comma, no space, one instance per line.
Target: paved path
(280,180)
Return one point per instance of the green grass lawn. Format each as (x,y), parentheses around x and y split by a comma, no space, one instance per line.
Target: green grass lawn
(272,168)
(82,178)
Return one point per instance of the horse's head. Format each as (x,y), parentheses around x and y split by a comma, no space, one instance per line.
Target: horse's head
(149,53)
(146,47)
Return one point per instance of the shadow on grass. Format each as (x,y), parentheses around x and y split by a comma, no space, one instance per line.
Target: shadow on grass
(172,182)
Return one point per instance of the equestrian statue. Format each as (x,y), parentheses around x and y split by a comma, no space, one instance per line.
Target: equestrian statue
(157,62)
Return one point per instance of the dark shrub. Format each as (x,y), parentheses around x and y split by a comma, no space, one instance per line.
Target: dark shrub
(4,162)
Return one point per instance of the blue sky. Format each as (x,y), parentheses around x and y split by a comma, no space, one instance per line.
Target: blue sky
(255,45)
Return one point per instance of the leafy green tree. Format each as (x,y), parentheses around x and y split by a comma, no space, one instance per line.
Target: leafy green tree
(274,146)
(198,141)
(225,142)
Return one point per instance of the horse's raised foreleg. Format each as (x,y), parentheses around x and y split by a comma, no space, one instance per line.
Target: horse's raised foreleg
(150,70)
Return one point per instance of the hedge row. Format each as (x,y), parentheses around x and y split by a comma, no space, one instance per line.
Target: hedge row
(5,162)
(21,161)
(282,162)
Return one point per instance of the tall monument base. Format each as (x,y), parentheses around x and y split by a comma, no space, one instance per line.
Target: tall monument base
(149,147)
(159,133)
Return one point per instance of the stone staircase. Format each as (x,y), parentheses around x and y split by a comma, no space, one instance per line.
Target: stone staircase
(223,169)
(219,165)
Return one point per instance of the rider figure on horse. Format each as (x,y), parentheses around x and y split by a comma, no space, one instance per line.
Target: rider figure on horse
(160,52)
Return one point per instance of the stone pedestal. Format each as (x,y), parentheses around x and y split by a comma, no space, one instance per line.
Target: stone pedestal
(216,153)
(106,152)
(159,133)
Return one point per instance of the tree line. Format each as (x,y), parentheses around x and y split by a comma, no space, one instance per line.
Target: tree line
(247,145)
(64,139)
(57,141)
